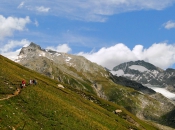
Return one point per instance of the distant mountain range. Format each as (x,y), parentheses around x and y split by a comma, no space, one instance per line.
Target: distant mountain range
(147,74)
(81,74)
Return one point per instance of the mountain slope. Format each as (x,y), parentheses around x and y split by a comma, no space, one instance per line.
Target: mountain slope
(46,106)
(86,76)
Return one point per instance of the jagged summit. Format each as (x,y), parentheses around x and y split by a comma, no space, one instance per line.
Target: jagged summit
(139,65)
(33,45)
(32,48)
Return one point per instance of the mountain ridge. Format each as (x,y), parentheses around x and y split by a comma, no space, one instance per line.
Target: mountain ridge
(146,73)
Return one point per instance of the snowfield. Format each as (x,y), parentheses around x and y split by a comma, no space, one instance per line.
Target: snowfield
(163,91)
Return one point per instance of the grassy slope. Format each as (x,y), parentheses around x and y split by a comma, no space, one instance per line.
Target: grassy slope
(45,106)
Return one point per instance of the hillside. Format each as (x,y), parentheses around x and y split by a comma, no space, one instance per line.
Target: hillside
(81,74)
(46,106)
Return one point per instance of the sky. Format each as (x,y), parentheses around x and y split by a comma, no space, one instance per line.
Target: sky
(107,32)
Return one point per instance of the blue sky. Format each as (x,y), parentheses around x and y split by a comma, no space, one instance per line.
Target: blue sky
(108,32)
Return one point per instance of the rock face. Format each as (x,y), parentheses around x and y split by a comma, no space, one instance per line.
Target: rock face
(146,74)
(84,75)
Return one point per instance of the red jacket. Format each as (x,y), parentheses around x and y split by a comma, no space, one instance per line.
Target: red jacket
(23,82)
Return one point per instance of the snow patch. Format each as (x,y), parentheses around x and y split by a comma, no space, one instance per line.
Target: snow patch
(42,54)
(57,54)
(155,73)
(139,68)
(68,59)
(129,75)
(163,91)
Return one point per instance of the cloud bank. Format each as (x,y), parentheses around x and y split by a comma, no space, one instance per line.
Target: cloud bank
(159,54)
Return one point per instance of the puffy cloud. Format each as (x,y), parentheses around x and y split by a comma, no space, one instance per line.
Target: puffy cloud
(12,48)
(110,57)
(169,24)
(11,24)
(60,48)
(13,44)
(12,55)
(160,54)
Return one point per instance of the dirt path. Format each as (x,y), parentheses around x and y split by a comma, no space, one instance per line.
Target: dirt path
(16,92)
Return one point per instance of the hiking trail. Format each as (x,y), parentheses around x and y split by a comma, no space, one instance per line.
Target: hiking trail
(16,92)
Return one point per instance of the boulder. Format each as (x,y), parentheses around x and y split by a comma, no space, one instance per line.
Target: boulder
(60,86)
(118,111)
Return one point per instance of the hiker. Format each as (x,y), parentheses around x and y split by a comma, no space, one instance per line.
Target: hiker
(31,81)
(23,83)
(34,82)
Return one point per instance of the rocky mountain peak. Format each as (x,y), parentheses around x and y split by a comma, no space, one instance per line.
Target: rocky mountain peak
(134,64)
(32,48)
(146,74)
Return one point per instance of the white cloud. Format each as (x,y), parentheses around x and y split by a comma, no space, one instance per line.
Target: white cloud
(11,24)
(12,55)
(60,48)
(115,55)
(12,48)
(169,24)
(42,9)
